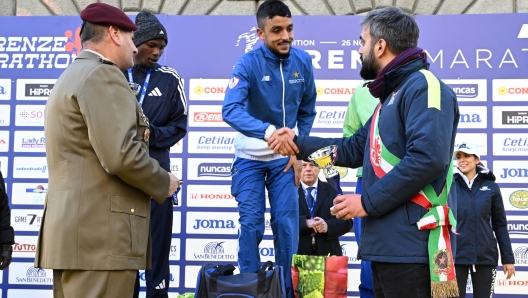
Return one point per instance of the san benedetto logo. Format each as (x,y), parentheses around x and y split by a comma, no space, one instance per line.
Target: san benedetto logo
(519,199)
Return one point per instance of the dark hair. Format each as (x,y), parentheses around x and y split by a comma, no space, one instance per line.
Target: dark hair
(93,32)
(395,26)
(269,9)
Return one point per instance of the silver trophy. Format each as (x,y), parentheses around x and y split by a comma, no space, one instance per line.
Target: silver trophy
(325,158)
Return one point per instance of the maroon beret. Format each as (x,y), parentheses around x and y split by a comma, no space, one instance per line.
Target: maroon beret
(101,13)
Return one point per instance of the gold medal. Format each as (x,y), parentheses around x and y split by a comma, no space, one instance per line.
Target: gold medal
(146,135)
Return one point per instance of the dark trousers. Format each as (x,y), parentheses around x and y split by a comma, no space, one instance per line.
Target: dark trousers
(157,279)
(482,280)
(397,280)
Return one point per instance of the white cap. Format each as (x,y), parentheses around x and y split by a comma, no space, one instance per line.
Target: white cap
(468,148)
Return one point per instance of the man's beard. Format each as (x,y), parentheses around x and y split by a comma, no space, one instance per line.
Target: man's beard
(279,54)
(369,69)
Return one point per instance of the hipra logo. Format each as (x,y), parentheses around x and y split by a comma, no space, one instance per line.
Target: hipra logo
(521,255)
(38,90)
(208,117)
(214,224)
(214,169)
(34,143)
(35,275)
(214,250)
(40,51)
(519,227)
(250,38)
(519,199)
(514,117)
(464,90)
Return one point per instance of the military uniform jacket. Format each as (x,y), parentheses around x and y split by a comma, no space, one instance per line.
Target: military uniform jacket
(101,178)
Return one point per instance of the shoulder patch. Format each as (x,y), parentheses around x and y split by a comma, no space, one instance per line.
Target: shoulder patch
(433,90)
(233,82)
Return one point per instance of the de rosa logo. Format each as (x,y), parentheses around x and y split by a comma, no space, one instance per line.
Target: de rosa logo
(40,51)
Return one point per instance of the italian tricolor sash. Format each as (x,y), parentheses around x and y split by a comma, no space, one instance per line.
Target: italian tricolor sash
(439,219)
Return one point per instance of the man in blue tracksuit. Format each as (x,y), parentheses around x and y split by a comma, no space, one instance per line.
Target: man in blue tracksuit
(272,87)
(416,124)
(163,101)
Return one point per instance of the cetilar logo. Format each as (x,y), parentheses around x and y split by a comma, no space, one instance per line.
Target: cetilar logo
(521,255)
(214,250)
(30,52)
(35,275)
(250,38)
(465,90)
(214,169)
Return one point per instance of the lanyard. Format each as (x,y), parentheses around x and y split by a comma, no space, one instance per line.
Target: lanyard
(145,85)
(314,196)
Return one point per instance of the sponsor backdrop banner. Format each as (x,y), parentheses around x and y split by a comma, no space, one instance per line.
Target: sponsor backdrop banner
(486,65)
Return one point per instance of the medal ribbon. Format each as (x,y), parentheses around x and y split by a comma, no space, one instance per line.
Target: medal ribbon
(145,85)
(439,218)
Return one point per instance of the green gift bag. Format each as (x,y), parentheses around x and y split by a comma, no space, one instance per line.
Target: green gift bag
(319,276)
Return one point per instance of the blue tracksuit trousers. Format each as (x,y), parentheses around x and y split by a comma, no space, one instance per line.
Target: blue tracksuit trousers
(249,178)
(365,286)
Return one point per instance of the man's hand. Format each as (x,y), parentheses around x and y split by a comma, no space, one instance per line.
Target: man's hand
(174,184)
(297,168)
(6,256)
(510,269)
(320,225)
(348,206)
(281,141)
(310,223)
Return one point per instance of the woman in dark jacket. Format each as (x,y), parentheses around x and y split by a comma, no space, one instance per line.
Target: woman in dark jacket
(479,203)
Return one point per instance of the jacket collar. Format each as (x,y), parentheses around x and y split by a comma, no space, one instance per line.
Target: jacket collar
(92,55)
(394,77)
(268,54)
(143,68)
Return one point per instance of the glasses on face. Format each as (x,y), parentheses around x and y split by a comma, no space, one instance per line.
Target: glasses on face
(135,88)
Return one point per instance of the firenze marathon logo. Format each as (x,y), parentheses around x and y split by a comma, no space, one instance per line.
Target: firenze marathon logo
(465,90)
(39,51)
(514,117)
(214,250)
(214,170)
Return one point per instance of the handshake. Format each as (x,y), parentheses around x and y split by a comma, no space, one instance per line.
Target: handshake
(281,142)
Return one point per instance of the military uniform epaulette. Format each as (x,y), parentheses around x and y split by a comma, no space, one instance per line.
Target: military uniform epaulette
(106,61)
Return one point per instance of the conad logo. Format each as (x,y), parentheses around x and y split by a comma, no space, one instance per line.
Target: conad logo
(519,199)
(208,117)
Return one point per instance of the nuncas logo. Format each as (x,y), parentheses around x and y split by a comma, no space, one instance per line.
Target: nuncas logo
(518,227)
(465,90)
(519,199)
(214,169)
